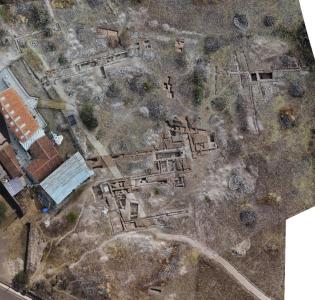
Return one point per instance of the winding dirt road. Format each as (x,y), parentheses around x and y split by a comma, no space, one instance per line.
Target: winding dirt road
(249,286)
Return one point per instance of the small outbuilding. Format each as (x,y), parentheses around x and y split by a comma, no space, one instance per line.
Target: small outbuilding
(66,179)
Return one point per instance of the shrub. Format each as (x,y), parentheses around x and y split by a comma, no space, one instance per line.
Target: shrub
(304,45)
(198,87)
(19,281)
(180,60)
(218,104)
(269,21)
(3,210)
(113,90)
(62,60)
(87,116)
(72,217)
(198,94)
(287,118)
(38,17)
(296,90)
(248,218)
(211,44)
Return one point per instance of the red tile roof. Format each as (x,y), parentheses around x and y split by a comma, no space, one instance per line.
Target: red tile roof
(8,159)
(46,159)
(17,116)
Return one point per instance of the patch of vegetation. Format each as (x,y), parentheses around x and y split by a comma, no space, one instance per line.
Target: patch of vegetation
(207,199)
(62,60)
(305,45)
(19,281)
(124,38)
(269,21)
(156,191)
(141,85)
(298,36)
(5,13)
(38,16)
(296,90)
(287,118)
(233,148)
(241,113)
(3,40)
(240,21)
(199,92)
(248,218)
(50,47)
(3,210)
(72,217)
(48,33)
(87,116)
(180,60)
(113,90)
(211,45)
(33,60)
(156,110)
(218,104)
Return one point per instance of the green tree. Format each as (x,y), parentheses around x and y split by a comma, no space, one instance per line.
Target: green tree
(198,86)
(20,280)
(87,116)
(38,17)
(72,217)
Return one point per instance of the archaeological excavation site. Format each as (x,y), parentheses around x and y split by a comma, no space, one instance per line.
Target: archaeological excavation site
(152,149)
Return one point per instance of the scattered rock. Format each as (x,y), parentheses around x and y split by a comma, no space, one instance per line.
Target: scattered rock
(144,111)
(166,27)
(153,24)
(241,248)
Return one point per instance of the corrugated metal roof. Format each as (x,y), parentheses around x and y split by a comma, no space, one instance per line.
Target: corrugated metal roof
(66,178)
(14,186)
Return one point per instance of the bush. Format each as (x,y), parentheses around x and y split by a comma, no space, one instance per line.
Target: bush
(62,60)
(269,21)
(287,118)
(180,60)
(198,94)
(296,90)
(113,90)
(87,116)
(156,110)
(141,85)
(72,217)
(248,218)
(3,210)
(19,281)
(304,45)
(3,40)
(50,47)
(218,104)
(198,87)
(211,44)
(38,17)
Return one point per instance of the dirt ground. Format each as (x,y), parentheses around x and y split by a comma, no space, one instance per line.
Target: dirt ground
(242,82)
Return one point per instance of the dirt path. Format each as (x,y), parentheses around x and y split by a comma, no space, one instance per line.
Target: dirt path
(214,256)
(103,152)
